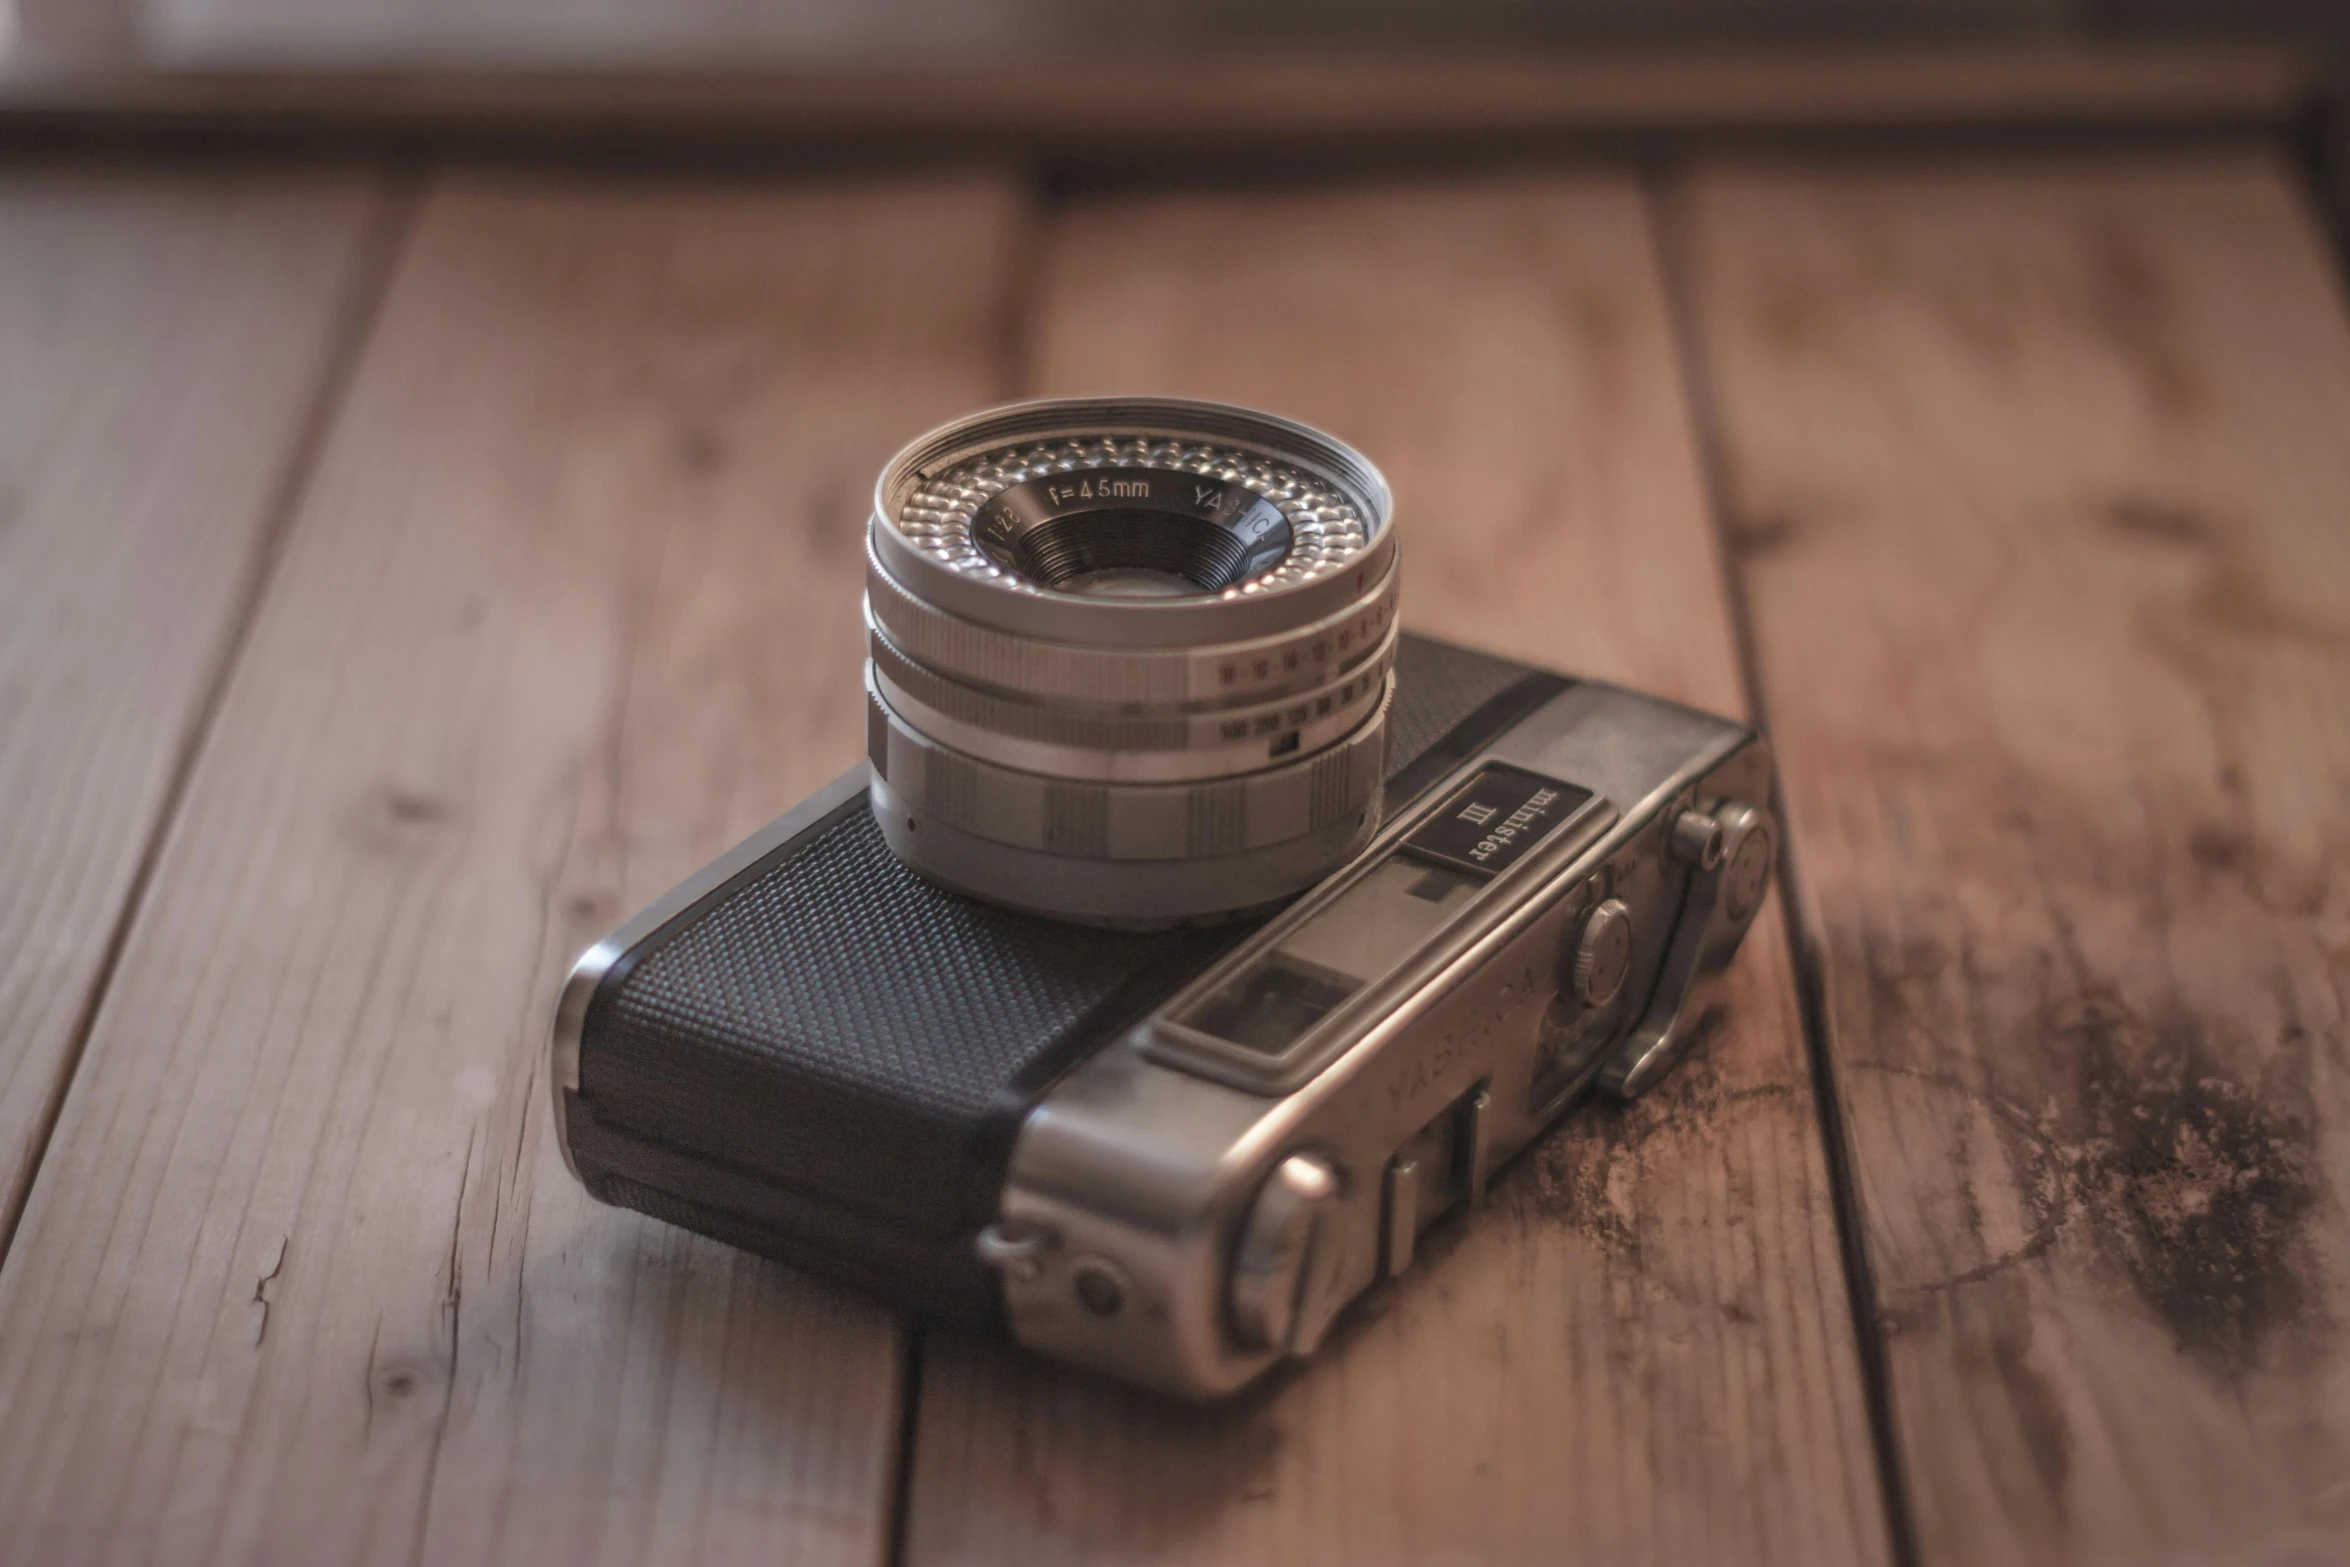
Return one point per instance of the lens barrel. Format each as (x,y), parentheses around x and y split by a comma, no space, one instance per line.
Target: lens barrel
(1130,659)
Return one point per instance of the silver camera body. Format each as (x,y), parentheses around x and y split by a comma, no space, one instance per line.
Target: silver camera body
(1194,937)
(1186,1208)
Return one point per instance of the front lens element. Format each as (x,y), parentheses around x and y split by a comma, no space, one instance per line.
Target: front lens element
(1144,532)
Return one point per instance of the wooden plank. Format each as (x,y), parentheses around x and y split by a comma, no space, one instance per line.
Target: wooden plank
(1641,1350)
(570,604)
(163,339)
(720,89)
(2042,482)
(973,34)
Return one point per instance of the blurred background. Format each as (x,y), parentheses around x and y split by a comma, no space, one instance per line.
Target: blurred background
(1117,86)
(1123,87)
(50,38)
(995,33)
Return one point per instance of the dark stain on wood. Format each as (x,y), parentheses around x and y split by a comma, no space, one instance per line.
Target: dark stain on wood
(2152,518)
(2220,849)
(2039,1415)
(1754,537)
(2193,1186)
(700,450)
(2134,311)
(1791,311)
(396,819)
(2196,1187)
(1985,307)
(1564,1178)
(406,807)
(591,909)
(2231,599)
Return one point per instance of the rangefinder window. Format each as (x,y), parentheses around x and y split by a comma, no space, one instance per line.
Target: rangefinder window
(1353,940)
(1271,1004)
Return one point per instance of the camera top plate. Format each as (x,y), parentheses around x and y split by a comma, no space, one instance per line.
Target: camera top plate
(1343,957)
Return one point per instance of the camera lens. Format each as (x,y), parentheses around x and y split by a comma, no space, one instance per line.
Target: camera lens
(1130,659)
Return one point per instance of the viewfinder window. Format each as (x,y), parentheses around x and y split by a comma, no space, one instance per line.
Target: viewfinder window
(1271,1004)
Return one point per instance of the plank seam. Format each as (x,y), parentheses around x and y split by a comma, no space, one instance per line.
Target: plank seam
(901,1480)
(383,237)
(1664,203)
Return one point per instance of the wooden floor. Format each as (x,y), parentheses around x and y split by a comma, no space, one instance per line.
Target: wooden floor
(404,576)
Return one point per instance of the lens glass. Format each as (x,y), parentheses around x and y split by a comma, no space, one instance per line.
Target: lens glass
(1133,532)
(1130,554)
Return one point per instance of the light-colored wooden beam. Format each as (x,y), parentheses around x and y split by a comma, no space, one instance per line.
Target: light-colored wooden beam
(569,605)
(2043,482)
(162,341)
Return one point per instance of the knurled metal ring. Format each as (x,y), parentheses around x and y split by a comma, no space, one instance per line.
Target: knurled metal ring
(1334,503)
(1326,527)
(1083,819)
(1128,747)
(1126,894)
(1055,671)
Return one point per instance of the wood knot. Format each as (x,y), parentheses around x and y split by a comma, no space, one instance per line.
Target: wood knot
(1765,535)
(699,450)
(2161,521)
(396,819)
(406,807)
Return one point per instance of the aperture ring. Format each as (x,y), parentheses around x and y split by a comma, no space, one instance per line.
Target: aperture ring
(1265,667)
(1136,894)
(1147,746)
(1120,821)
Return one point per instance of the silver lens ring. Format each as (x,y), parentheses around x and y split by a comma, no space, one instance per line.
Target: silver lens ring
(937,499)
(1144,894)
(1129,660)
(1124,822)
(1231,671)
(1110,745)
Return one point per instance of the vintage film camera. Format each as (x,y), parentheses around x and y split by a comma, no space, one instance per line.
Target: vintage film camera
(1193,940)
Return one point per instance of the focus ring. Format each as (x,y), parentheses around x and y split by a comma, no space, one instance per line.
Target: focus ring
(1134,747)
(1142,894)
(1119,821)
(1232,671)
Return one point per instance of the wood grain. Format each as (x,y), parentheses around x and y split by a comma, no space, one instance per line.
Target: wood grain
(570,604)
(1640,1351)
(160,342)
(2042,480)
